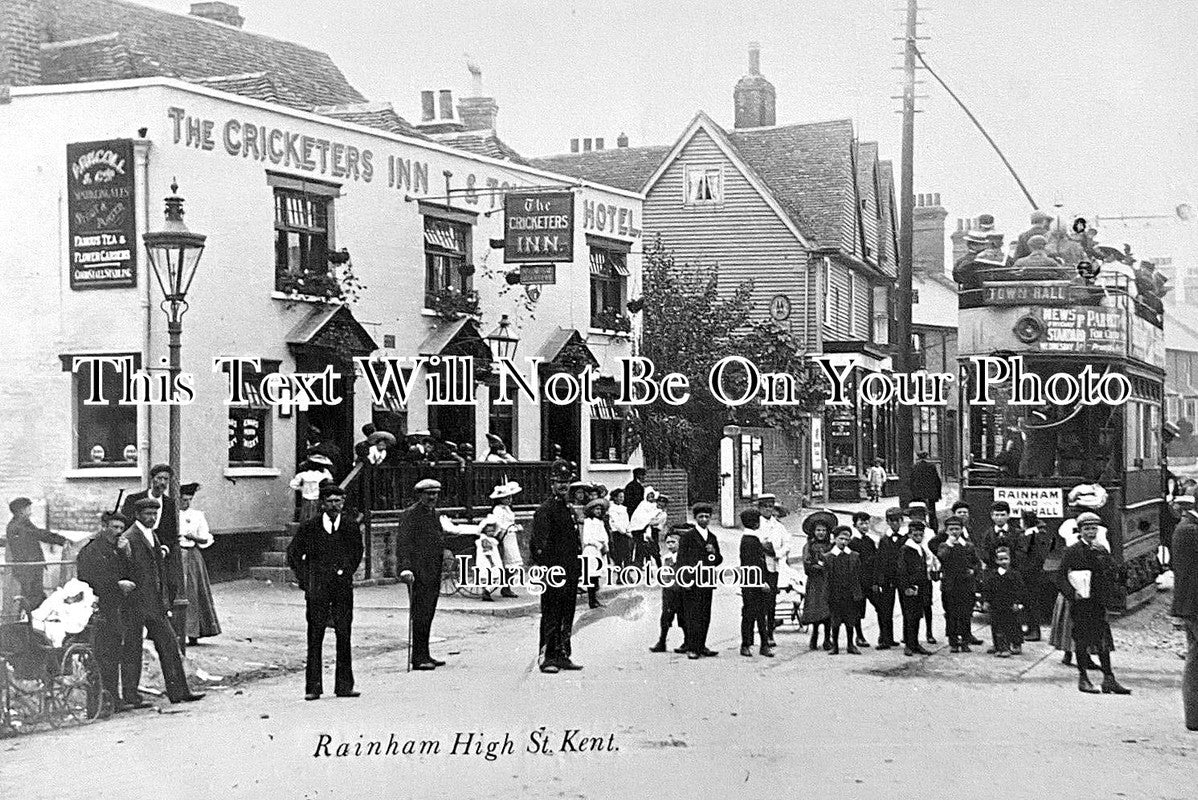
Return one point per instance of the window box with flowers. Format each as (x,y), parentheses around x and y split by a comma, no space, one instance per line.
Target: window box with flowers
(452,303)
(611,321)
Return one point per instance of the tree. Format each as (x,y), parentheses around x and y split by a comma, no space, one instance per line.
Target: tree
(688,326)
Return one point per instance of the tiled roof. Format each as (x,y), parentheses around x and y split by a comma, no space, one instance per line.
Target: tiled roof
(371,115)
(808,169)
(153,42)
(624,167)
(482,142)
(889,217)
(258,85)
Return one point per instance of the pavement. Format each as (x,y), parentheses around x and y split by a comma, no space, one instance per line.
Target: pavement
(879,725)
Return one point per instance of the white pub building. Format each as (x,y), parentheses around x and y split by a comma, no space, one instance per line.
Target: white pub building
(327,240)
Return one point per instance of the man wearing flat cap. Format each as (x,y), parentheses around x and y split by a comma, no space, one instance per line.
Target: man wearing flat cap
(166,526)
(23,546)
(146,611)
(1041,221)
(105,565)
(324,554)
(420,546)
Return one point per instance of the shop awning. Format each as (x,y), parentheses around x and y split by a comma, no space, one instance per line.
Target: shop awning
(460,337)
(603,408)
(566,345)
(440,233)
(604,263)
(334,329)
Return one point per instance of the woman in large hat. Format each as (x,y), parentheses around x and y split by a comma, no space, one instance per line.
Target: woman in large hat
(194,536)
(498,452)
(818,528)
(509,530)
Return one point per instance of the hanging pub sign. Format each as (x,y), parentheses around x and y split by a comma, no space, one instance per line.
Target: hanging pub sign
(538,227)
(101,220)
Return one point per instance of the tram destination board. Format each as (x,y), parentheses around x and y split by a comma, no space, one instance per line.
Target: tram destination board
(1025,293)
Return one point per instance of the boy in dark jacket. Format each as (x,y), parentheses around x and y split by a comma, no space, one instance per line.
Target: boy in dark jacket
(756,608)
(959,566)
(914,584)
(863,545)
(885,577)
(1004,591)
(671,595)
(842,572)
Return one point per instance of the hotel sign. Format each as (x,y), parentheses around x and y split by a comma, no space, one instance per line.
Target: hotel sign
(538,227)
(101,216)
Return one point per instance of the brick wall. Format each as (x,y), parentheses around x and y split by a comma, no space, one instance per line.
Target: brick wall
(20,59)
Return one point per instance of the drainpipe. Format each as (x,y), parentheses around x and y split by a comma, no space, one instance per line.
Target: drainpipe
(141,161)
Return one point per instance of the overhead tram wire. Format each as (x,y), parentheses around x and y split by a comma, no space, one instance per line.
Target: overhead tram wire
(978,125)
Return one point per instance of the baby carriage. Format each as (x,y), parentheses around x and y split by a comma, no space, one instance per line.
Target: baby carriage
(49,675)
(788,607)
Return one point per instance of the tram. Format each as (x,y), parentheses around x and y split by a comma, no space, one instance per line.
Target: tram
(1032,455)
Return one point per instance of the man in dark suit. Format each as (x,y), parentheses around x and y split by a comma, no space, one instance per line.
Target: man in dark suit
(634,492)
(699,547)
(23,545)
(105,565)
(885,575)
(925,485)
(324,554)
(914,585)
(166,526)
(556,542)
(420,548)
(1184,553)
(147,611)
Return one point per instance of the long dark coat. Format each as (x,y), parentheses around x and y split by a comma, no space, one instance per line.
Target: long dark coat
(420,543)
(925,482)
(1089,614)
(1185,567)
(320,559)
(842,574)
(815,601)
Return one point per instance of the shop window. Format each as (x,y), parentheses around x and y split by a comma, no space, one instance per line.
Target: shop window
(501,421)
(609,288)
(704,185)
(608,423)
(446,258)
(303,238)
(249,422)
(106,432)
(927,430)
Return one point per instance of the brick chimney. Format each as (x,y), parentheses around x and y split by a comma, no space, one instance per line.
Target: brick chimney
(477,112)
(20,35)
(436,112)
(622,140)
(928,246)
(958,238)
(754,96)
(227,13)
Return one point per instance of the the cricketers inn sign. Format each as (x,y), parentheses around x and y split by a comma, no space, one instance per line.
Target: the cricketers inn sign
(538,227)
(101,221)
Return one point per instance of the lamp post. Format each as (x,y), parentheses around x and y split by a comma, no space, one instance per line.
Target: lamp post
(174,253)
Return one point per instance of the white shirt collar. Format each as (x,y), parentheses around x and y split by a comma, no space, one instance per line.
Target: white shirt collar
(330,525)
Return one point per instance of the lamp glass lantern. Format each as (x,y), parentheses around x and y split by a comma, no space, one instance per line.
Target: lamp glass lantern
(503,343)
(174,251)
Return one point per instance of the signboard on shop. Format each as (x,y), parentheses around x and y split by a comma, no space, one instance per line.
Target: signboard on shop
(1047,503)
(538,227)
(538,274)
(101,216)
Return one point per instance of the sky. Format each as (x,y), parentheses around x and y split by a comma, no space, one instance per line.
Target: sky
(1093,101)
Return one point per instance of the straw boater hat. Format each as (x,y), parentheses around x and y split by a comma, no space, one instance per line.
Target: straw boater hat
(827,518)
(508,489)
(320,458)
(1087,495)
(767,500)
(598,502)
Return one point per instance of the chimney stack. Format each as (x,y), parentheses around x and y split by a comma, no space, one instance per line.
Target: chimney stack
(445,103)
(586,145)
(428,106)
(573,145)
(227,13)
(477,112)
(20,37)
(958,238)
(436,112)
(754,96)
(928,248)
(599,143)
(622,140)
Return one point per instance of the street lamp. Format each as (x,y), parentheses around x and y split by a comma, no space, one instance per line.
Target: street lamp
(174,253)
(503,343)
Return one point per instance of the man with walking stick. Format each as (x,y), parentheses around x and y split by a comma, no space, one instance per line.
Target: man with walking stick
(420,545)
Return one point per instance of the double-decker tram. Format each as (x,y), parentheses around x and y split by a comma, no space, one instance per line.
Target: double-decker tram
(1070,331)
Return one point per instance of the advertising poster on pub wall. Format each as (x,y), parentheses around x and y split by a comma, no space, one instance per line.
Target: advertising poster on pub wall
(102,222)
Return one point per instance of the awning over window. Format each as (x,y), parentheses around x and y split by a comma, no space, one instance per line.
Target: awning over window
(444,235)
(603,408)
(604,262)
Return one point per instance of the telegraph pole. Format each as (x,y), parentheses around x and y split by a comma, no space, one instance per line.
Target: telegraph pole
(905,422)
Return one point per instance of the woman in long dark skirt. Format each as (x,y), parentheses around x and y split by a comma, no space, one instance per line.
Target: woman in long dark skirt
(193,537)
(816,612)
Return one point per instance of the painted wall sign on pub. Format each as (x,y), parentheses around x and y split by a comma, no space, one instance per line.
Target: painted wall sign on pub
(538,227)
(101,216)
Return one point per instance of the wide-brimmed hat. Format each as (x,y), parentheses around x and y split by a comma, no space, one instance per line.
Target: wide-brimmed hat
(1088,495)
(381,436)
(495,441)
(598,502)
(506,490)
(827,518)
(983,232)
(766,500)
(320,458)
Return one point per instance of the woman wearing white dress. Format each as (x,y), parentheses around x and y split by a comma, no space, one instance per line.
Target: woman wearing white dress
(509,530)
(487,557)
(194,536)
(620,524)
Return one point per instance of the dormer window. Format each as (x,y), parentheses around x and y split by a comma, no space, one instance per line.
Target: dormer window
(704,185)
